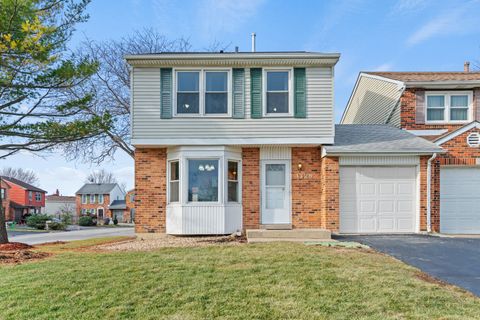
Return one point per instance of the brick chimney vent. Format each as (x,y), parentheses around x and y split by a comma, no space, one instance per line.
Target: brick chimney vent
(466,66)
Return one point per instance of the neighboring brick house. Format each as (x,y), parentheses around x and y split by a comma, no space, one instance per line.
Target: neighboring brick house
(245,140)
(96,199)
(24,199)
(130,201)
(443,107)
(5,196)
(57,205)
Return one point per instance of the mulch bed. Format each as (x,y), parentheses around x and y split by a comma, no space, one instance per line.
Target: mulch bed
(16,252)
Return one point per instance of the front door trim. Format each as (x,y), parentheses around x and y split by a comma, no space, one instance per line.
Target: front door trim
(288,201)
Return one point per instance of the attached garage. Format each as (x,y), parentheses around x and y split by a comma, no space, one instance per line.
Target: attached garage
(460,200)
(378,199)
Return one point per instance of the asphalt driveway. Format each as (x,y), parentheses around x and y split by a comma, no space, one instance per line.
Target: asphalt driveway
(82,234)
(454,260)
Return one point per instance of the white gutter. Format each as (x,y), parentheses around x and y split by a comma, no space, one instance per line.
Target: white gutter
(429,192)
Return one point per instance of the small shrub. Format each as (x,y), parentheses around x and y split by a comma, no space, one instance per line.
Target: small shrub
(67,218)
(115,220)
(57,226)
(37,221)
(86,221)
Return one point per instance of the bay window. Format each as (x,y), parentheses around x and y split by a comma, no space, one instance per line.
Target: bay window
(232,181)
(202,180)
(277,92)
(174,183)
(448,107)
(203,92)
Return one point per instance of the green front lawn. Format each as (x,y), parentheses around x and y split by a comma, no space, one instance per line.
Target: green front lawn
(261,281)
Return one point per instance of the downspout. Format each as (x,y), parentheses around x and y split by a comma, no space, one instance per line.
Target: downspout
(429,192)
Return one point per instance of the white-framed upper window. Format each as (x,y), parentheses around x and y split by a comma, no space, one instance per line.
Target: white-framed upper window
(100,198)
(30,195)
(202,92)
(38,196)
(278,97)
(92,198)
(448,107)
(174,181)
(84,198)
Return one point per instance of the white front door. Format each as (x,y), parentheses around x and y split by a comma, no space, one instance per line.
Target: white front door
(276,192)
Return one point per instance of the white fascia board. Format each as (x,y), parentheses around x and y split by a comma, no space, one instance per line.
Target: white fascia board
(325,153)
(232,55)
(450,84)
(456,133)
(400,84)
(235,141)
(428,132)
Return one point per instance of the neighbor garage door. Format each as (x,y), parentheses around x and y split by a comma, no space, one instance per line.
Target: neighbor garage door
(377,199)
(460,200)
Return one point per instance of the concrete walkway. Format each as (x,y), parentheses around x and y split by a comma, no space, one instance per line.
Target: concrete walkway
(37,238)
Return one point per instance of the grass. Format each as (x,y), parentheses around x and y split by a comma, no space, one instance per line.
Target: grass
(261,281)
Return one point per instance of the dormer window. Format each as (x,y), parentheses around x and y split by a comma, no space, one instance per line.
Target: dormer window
(277,94)
(448,107)
(202,92)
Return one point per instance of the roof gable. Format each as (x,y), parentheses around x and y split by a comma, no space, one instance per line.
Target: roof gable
(453,134)
(22,184)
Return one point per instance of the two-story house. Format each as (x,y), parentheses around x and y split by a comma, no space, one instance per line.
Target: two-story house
(443,107)
(96,199)
(24,199)
(58,205)
(246,140)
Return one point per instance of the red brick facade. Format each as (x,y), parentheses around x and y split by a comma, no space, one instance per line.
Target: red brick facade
(330,197)
(251,187)
(151,191)
(458,152)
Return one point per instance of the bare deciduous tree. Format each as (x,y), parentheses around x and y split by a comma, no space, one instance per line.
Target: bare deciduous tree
(101,176)
(110,85)
(27,176)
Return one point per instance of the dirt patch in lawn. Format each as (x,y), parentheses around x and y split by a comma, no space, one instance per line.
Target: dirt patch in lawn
(171,241)
(13,256)
(14,246)
(428,278)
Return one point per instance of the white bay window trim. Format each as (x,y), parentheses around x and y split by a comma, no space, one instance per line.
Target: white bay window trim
(202,92)
(447,106)
(290,92)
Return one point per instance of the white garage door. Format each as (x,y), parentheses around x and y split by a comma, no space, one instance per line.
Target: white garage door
(460,200)
(377,199)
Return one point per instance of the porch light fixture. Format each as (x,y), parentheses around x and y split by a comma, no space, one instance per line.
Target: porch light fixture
(300,166)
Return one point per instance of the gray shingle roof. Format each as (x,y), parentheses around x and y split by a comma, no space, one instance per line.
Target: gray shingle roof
(96,188)
(379,139)
(118,205)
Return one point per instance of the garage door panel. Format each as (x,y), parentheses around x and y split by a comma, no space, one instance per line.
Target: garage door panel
(460,200)
(377,199)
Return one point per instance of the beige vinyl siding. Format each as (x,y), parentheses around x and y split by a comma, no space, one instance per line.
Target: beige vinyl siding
(148,128)
(373,101)
(394,119)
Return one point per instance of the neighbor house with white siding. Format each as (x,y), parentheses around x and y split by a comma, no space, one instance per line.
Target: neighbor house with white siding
(231,141)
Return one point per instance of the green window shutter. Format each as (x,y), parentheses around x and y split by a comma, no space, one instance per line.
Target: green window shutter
(300,100)
(166,109)
(238,93)
(256,92)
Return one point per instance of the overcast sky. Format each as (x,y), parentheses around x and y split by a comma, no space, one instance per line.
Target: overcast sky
(403,35)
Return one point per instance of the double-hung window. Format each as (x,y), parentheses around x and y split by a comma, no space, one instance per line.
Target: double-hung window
(84,198)
(100,198)
(174,174)
(216,92)
(30,195)
(92,198)
(277,92)
(38,196)
(202,92)
(448,107)
(188,92)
